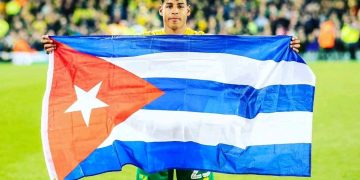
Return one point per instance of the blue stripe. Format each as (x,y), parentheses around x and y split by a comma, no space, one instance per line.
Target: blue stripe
(275,48)
(281,160)
(214,97)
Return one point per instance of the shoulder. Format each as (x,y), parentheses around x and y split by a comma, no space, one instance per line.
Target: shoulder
(193,32)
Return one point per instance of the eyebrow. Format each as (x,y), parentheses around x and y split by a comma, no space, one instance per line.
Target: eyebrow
(173,3)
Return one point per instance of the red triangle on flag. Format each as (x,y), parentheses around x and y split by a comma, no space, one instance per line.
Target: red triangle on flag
(70,139)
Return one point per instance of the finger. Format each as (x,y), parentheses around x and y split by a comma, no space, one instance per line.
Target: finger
(49,46)
(297,41)
(296,46)
(49,50)
(296,50)
(47,41)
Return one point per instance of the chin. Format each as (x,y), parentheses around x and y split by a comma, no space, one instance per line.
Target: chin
(174,27)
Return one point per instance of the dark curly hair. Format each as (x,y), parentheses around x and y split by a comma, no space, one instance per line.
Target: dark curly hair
(187,2)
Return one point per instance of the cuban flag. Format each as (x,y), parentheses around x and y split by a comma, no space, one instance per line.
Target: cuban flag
(229,104)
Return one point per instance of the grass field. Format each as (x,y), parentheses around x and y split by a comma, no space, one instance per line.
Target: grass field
(336,131)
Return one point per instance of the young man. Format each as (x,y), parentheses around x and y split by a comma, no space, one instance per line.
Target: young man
(174,14)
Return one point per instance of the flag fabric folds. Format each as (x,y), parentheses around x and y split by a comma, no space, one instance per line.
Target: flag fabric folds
(230,104)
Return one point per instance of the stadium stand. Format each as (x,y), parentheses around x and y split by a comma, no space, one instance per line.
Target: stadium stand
(22,22)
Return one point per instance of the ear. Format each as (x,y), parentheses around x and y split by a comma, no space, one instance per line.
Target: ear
(188,10)
(161,10)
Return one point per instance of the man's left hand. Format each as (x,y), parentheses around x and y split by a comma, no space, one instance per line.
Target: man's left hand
(295,44)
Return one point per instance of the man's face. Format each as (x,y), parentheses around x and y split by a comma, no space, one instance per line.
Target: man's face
(174,13)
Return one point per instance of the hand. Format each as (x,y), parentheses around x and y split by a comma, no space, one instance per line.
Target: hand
(295,44)
(49,45)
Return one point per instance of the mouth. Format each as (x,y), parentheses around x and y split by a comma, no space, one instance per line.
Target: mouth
(174,19)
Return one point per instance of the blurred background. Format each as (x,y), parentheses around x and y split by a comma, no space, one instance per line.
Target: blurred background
(328,29)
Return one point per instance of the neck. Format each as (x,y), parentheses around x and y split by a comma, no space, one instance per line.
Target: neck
(179,31)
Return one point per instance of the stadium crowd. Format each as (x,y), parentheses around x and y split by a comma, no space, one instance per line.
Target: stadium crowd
(322,25)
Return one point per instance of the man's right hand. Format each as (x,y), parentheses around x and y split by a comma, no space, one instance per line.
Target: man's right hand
(49,45)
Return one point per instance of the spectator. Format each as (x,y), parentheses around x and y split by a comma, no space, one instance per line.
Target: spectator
(255,17)
(4,27)
(327,36)
(350,34)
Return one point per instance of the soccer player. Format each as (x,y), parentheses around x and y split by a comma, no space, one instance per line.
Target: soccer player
(174,14)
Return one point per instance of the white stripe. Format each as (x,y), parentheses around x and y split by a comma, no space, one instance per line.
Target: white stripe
(44,120)
(224,68)
(212,129)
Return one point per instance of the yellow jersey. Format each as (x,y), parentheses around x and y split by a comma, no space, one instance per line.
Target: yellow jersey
(188,31)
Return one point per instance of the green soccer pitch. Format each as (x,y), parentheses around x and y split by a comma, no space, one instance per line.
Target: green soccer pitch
(336,130)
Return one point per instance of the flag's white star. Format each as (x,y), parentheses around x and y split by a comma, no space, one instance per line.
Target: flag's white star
(86,101)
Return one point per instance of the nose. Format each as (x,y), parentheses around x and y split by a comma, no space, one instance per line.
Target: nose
(175,11)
